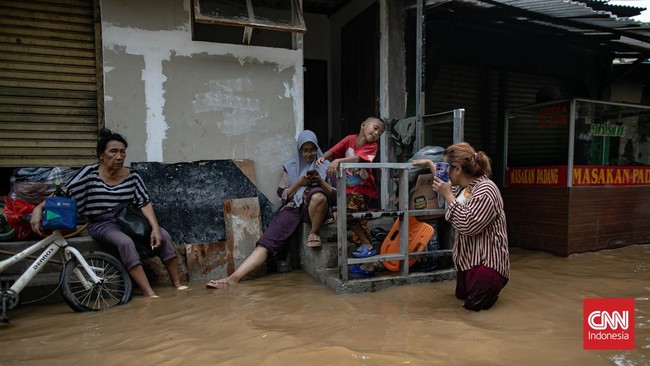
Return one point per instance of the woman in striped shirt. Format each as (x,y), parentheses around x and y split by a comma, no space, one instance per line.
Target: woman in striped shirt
(475,210)
(98,188)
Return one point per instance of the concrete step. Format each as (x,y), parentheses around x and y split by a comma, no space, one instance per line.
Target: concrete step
(322,263)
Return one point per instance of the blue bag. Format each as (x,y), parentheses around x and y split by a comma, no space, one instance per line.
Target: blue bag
(60,213)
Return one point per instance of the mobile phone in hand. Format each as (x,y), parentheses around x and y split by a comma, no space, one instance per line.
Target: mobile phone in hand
(312,172)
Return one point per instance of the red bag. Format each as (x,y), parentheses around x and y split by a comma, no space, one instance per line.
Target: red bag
(15,211)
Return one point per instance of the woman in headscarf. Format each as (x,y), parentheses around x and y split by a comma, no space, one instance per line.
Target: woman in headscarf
(305,193)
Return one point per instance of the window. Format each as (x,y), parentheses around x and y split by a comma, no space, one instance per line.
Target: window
(268,23)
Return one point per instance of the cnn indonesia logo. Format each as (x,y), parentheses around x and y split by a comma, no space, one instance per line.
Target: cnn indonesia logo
(608,324)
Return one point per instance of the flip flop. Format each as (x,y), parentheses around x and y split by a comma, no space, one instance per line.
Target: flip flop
(313,241)
(356,269)
(364,252)
(217,284)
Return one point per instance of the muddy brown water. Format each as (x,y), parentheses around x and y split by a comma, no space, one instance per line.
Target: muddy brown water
(290,319)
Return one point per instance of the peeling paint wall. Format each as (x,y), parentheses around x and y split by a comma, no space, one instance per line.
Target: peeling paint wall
(179,100)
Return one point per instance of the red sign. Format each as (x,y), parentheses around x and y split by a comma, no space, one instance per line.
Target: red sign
(555,115)
(593,175)
(608,324)
(537,176)
(583,175)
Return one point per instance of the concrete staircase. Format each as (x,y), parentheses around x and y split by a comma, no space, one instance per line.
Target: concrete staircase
(322,263)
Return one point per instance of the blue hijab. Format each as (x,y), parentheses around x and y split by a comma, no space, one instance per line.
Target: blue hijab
(298,166)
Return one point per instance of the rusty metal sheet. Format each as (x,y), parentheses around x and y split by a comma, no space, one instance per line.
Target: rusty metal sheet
(242,219)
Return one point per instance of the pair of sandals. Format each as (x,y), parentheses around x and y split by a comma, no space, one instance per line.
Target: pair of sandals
(364,252)
(357,270)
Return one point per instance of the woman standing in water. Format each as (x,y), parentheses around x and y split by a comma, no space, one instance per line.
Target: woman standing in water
(475,210)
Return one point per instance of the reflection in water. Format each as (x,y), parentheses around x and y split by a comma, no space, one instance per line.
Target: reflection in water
(290,319)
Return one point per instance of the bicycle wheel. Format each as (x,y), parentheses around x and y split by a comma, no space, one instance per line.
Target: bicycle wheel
(81,295)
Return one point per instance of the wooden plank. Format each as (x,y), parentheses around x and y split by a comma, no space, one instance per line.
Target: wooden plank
(243,228)
(247,167)
(207,261)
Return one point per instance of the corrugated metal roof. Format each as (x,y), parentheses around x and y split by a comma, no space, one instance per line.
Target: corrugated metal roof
(622,36)
(626,36)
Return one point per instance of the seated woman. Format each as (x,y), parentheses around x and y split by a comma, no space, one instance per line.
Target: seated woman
(98,188)
(305,193)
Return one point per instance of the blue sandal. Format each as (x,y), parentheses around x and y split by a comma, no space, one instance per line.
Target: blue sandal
(364,252)
(357,270)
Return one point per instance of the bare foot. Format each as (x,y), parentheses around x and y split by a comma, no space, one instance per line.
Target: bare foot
(181,288)
(154,296)
(220,283)
(313,241)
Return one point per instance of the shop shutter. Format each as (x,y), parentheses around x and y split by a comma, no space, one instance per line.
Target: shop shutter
(529,146)
(48,83)
(457,86)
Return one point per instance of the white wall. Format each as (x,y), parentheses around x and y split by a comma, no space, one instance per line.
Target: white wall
(178,100)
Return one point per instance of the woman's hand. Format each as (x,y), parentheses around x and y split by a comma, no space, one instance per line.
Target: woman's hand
(304,180)
(316,179)
(442,188)
(156,238)
(36,220)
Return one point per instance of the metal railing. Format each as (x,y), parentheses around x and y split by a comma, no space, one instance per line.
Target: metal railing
(403,212)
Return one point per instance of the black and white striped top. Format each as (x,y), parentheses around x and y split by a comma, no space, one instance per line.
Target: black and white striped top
(94,197)
(480,236)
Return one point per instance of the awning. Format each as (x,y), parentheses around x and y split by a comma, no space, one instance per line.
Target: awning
(600,29)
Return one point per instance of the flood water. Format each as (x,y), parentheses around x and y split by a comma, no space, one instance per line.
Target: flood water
(290,319)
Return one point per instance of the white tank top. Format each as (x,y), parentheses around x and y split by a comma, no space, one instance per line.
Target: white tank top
(461,198)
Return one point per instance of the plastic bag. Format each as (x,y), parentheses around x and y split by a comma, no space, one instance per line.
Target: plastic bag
(17,213)
(433,153)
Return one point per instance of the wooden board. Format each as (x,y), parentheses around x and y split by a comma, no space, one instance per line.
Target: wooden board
(243,228)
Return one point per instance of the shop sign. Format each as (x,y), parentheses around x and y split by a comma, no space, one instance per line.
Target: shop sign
(602,129)
(583,175)
(556,115)
(536,176)
(590,175)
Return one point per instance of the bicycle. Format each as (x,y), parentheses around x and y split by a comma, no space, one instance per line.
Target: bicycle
(89,282)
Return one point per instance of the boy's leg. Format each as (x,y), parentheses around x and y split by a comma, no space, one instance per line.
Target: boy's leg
(360,234)
(358,203)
